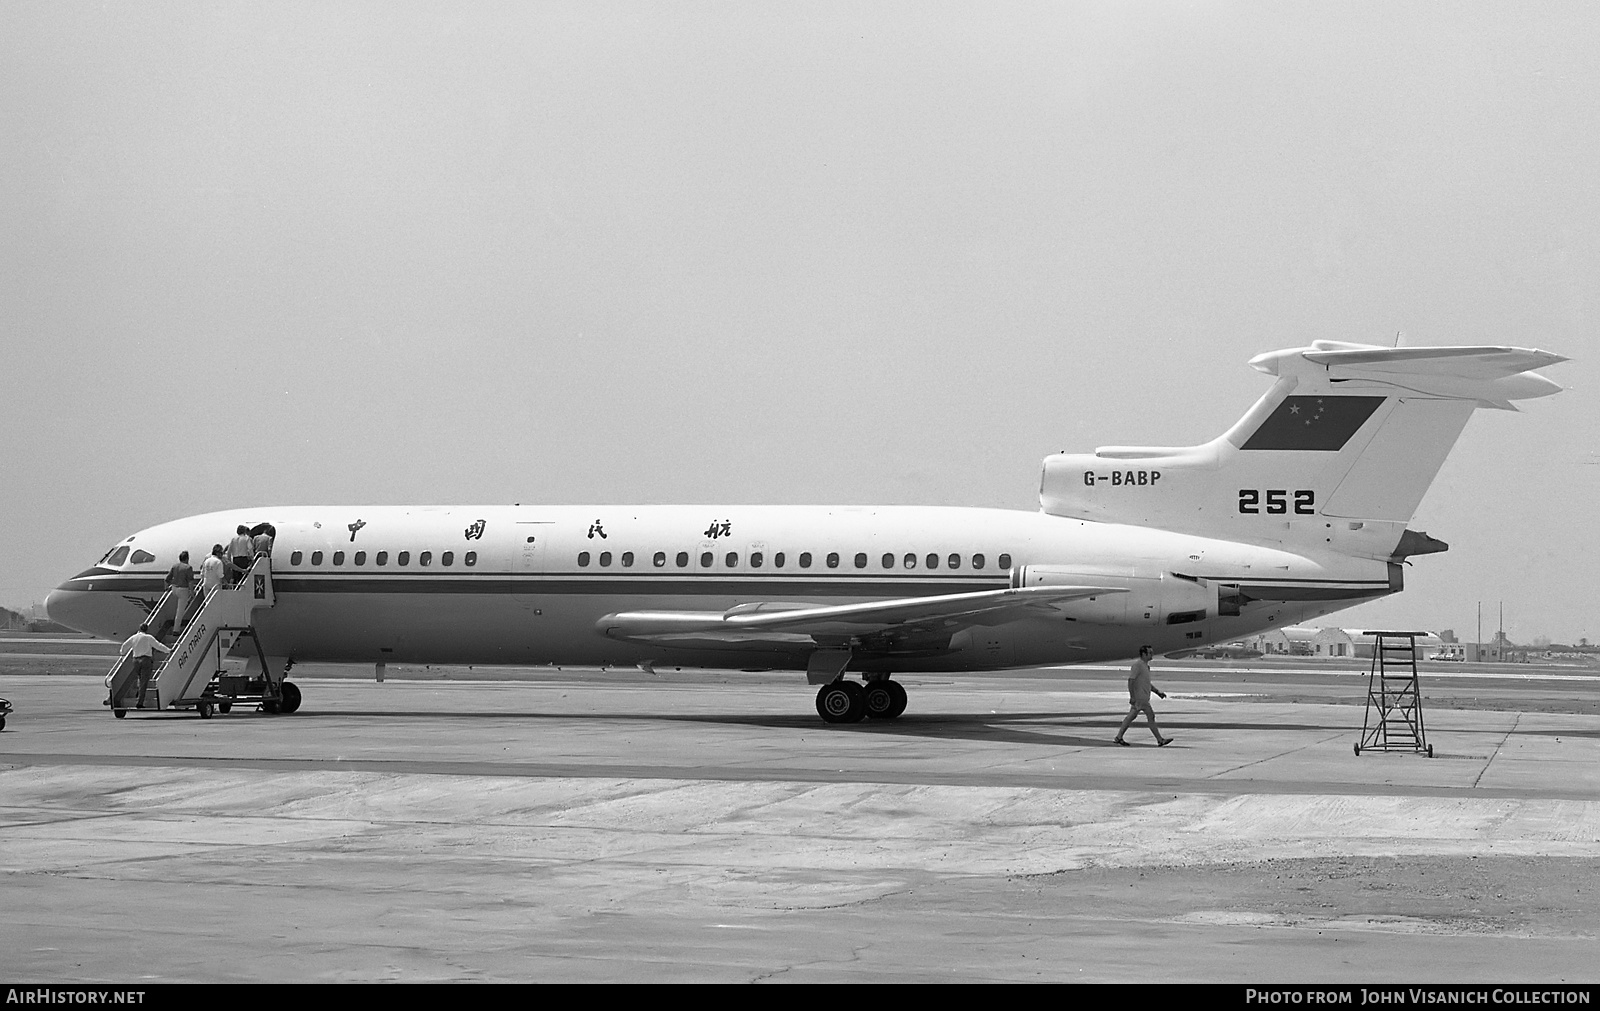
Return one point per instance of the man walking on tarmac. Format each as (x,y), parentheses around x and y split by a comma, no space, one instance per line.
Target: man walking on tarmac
(1139,689)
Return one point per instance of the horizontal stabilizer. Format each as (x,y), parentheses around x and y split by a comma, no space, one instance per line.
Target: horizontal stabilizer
(787,626)
(1493,376)
(1466,362)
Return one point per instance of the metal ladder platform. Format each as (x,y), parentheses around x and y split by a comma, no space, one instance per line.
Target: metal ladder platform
(1393,719)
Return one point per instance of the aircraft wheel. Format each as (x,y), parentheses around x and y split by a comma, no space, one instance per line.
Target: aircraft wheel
(205,710)
(3,723)
(1358,751)
(878,699)
(120,714)
(224,708)
(291,697)
(841,701)
(900,699)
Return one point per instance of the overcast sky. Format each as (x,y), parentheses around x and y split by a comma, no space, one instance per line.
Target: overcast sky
(774,252)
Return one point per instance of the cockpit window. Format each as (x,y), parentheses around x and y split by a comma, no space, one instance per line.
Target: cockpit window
(142,556)
(118,556)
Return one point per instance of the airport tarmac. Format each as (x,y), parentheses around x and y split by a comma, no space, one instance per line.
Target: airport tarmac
(703,826)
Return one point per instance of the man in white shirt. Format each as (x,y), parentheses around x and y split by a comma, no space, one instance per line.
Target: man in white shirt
(241,549)
(143,646)
(212,570)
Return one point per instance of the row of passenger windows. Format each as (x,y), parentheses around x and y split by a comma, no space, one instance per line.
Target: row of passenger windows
(757,559)
(424,558)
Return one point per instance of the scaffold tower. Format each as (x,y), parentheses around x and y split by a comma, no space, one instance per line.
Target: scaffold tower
(1393,721)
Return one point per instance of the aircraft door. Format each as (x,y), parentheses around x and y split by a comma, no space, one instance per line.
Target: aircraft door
(528,556)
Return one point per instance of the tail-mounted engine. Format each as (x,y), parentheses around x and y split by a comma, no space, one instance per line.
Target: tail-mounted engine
(1167,598)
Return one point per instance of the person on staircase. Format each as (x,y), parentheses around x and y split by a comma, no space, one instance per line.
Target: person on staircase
(180,580)
(143,646)
(240,550)
(213,571)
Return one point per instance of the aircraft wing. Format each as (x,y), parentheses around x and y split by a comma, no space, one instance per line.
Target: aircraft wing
(793,626)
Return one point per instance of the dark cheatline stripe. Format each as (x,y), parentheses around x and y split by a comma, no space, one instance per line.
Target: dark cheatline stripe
(1322,423)
(773,586)
(769,586)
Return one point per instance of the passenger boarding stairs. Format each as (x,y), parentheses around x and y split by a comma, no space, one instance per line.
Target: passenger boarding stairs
(217,623)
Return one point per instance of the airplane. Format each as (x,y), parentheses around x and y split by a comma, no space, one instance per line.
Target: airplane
(1299,509)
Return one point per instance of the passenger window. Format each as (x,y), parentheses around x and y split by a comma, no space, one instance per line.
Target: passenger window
(141,556)
(404,559)
(683,559)
(426,558)
(448,558)
(910,560)
(118,556)
(933,561)
(977,561)
(1005,561)
(471,558)
(627,559)
(361,558)
(583,559)
(805,559)
(294,558)
(955,561)
(605,558)
(755,559)
(338,558)
(383,558)
(316,558)
(888,560)
(833,559)
(659,559)
(861,559)
(777,560)
(705,559)
(733,559)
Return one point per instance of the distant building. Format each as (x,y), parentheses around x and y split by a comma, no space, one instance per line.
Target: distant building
(1498,650)
(1293,640)
(1333,642)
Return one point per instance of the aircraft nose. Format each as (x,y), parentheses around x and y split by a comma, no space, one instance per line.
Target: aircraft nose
(69,607)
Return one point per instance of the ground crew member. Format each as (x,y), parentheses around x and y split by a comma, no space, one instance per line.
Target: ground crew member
(143,646)
(1139,689)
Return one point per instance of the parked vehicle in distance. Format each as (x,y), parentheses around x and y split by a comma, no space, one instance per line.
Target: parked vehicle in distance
(1228,651)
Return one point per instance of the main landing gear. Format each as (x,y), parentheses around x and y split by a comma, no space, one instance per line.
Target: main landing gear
(845,701)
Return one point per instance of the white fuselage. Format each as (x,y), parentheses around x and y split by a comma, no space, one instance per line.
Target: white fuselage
(528,585)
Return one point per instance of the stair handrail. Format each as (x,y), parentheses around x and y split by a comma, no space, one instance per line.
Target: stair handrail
(244,585)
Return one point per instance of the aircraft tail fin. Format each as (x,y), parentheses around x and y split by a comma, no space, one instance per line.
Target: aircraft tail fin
(1337,454)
